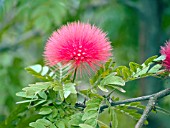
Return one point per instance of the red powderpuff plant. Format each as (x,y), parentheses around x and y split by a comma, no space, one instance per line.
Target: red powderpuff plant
(166,51)
(82,45)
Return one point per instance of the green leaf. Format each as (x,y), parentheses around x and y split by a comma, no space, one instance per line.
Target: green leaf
(117,88)
(45,70)
(39,102)
(76,119)
(37,87)
(61,112)
(39,72)
(160,58)
(45,111)
(44,122)
(126,72)
(103,88)
(24,94)
(112,79)
(85,126)
(155,68)
(92,122)
(102,124)
(89,114)
(41,85)
(114,119)
(61,94)
(43,95)
(150,60)
(60,124)
(25,101)
(36,68)
(36,125)
(141,72)
(134,103)
(68,89)
(146,122)
(71,99)
(90,94)
(134,66)
(57,86)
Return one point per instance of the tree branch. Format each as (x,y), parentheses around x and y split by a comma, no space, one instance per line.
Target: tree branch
(160,94)
(151,105)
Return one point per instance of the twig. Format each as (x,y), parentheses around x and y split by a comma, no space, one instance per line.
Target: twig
(151,105)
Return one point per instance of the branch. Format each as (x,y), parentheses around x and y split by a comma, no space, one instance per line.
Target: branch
(151,105)
(160,94)
(80,105)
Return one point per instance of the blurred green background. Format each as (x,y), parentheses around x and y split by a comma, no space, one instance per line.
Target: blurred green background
(136,28)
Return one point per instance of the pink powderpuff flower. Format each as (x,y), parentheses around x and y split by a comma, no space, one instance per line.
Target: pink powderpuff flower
(165,50)
(85,46)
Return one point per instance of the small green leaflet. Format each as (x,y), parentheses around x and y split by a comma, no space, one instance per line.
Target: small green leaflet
(45,111)
(25,101)
(41,72)
(76,119)
(134,66)
(150,60)
(60,124)
(37,125)
(69,88)
(42,123)
(155,68)
(160,58)
(108,118)
(112,79)
(113,118)
(85,126)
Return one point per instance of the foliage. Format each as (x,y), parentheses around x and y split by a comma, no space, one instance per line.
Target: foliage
(56,101)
